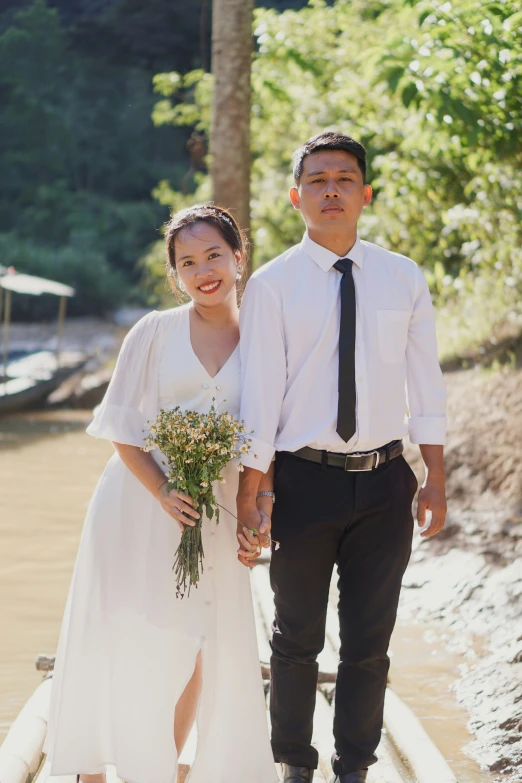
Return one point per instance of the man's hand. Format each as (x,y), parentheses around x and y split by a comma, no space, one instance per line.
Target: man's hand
(250,542)
(432,497)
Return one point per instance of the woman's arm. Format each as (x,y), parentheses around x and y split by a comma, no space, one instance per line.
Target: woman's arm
(146,470)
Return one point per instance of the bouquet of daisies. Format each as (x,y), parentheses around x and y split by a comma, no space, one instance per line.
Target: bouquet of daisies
(197,446)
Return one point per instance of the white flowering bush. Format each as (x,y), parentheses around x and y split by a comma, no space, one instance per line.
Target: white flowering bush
(197,447)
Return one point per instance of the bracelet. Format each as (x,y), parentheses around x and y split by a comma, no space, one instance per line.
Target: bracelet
(266,494)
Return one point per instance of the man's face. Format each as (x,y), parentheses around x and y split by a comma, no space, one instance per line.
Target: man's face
(331,194)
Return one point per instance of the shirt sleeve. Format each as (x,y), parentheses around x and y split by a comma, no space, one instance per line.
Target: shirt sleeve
(121,415)
(424,380)
(263,370)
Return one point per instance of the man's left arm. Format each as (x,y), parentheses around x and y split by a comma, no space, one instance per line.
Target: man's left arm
(427,408)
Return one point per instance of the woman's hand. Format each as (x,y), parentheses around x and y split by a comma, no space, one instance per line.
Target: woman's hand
(249,546)
(178,505)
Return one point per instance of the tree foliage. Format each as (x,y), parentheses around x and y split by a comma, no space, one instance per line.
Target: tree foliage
(79,154)
(433,90)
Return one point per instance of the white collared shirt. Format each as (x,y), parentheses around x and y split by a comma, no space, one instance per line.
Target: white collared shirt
(289,353)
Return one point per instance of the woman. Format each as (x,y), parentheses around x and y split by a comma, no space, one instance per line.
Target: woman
(135,664)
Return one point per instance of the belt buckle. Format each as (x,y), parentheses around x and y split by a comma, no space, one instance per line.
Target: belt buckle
(363,470)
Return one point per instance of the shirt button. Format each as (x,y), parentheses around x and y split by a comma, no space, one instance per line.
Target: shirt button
(205,385)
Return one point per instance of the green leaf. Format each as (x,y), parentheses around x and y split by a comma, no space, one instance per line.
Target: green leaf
(193,490)
(210,511)
(424,16)
(515,19)
(409,93)
(466,114)
(166,83)
(393,76)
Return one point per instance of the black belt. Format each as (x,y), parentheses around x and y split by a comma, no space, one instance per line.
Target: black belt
(366,460)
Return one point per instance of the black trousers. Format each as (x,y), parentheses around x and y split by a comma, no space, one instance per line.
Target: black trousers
(362,522)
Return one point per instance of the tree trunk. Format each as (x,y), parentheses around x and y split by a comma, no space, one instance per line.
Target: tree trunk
(230,128)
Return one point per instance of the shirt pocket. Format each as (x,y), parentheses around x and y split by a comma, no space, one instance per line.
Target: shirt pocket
(393,334)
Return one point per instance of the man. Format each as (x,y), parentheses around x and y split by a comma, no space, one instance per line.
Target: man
(338,352)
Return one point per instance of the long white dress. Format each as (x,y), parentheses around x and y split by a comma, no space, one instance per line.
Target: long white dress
(128,646)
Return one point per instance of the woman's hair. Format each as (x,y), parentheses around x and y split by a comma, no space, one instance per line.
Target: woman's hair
(221,219)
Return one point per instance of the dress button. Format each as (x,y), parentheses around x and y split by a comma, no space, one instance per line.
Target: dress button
(205,385)
(208,603)
(218,388)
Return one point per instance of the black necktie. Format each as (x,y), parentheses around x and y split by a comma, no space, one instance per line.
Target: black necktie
(346,421)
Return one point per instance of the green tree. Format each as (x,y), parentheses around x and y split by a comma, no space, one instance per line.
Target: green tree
(433,91)
(79,155)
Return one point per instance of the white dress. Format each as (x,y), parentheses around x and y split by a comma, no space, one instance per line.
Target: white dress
(128,646)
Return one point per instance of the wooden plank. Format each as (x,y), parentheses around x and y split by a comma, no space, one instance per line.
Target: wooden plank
(414,744)
(21,751)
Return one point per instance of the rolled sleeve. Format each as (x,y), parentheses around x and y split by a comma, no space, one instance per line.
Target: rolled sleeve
(428,430)
(260,456)
(424,380)
(263,370)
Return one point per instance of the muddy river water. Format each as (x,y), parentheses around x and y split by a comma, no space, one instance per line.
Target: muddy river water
(48,470)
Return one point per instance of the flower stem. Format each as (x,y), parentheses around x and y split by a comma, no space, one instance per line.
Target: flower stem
(252,530)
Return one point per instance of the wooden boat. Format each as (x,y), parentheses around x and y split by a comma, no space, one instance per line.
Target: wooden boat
(406,753)
(29,377)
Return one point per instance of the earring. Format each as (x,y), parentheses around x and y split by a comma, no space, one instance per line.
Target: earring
(239,275)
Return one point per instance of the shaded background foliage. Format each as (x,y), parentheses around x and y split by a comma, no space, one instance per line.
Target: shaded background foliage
(79,154)
(99,99)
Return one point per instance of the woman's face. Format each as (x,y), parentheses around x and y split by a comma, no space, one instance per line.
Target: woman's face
(206,265)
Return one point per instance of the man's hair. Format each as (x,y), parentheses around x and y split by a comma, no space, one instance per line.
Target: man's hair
(329,140)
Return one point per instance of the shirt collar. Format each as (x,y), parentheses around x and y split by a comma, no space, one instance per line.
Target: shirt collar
(325,259)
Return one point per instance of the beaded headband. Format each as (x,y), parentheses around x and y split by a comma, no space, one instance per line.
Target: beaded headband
(222,215)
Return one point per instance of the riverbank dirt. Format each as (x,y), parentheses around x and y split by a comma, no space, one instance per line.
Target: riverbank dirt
(468,579)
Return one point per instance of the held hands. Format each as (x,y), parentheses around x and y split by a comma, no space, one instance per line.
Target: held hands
(178,505)
(251,543)
(432,499)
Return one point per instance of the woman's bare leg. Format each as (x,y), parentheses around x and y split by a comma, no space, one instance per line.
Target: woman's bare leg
(186,708)
(92,778)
